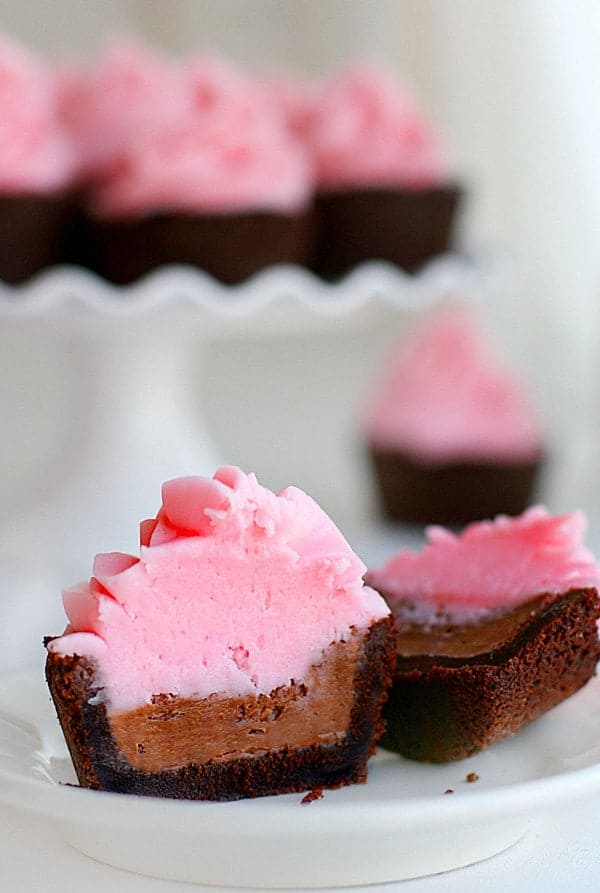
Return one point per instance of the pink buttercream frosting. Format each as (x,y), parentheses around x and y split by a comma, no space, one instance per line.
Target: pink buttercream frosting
(236,590)
(293,97)
(445,396)
(224,150)
(128,90)
(491,566)
(36,155)
(367,131)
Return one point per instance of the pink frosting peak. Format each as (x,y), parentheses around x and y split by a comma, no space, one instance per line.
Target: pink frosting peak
(446,396)
(294,98)
(225,150)
(220,91)
(367,131)
(36,155)
(227,568)
(128,90)
(491,565)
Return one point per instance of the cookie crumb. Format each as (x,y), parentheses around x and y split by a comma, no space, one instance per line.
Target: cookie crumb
(471,777)
(315,794)
(449,791)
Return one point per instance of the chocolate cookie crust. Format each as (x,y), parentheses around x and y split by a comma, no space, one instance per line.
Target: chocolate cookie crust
(406,227)
(230,247)
(453,493)
(448,707)
(33,232)
(101,765)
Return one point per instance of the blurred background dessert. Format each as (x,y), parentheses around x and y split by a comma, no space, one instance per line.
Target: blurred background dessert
(451,432)
(209,176)
(198,161)
(37,165)
(382,178)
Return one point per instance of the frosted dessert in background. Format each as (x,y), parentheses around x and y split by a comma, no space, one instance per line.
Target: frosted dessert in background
(37,165)
(383,179)
(37,156)
(218,182)
(451,431)
(224,150)
(239,655)
(496,626)
(127,89)
(200,162)
(106,102)
(367,131)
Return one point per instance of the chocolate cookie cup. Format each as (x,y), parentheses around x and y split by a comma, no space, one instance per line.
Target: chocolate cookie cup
(496,625)
(405,227)
(33,233)
(230,247)
(453,492)
(459,688)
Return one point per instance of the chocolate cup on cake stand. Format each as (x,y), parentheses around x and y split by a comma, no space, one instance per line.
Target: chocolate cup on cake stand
(230,247)
(33,231)
(455,492)
(79,248)
(406,227)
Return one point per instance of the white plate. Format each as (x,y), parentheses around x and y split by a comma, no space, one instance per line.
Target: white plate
(399,825)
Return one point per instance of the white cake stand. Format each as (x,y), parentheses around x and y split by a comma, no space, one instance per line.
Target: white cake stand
(133,421)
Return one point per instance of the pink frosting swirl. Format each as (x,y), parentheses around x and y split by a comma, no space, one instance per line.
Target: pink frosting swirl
(36,155)
(236,590)
(128,90)
(491,565)
(366,131)
(446,397)
(294,98)
(223,150)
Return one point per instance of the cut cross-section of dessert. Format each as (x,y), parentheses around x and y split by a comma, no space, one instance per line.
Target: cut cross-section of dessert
(240,655)
(496,626)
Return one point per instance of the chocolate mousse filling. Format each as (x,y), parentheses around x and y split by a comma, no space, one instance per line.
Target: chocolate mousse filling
(461,687)
(318,732)
(174,731)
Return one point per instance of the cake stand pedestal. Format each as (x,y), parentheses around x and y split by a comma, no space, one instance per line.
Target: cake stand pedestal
(131,426)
